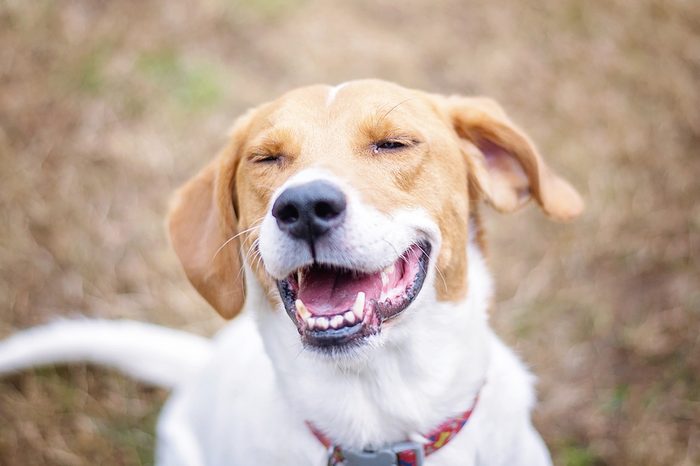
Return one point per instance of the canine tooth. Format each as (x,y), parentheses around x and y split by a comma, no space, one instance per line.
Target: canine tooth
(300,277)
(391,269)
(349,317)
(337,321)
(385,279)
(358,308)
(302,310)
(311,323)
(322,323)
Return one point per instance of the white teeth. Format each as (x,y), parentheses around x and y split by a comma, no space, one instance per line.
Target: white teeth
(349,317)
(300,277)
(302,310)
(322,323)
(358,308)
(337,321)
(311,323)
(389,270)
(385,279)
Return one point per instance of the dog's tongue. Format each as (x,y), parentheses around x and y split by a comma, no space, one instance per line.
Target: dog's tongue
(326,291)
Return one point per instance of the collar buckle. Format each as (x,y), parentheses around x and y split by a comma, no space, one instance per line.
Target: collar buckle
(386,456)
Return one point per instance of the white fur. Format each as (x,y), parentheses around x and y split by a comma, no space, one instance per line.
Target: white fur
(333,93)
(247,400)
(248,406)
(151,353)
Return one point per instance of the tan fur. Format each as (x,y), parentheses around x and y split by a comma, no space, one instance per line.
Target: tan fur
(203,229)
(442,169)
(510,168)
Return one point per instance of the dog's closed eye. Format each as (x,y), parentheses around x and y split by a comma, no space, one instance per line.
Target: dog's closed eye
(392,145)
(266,158)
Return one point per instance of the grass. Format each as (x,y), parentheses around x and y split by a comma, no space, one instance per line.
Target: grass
(194,87)
(106,107)
(577,456)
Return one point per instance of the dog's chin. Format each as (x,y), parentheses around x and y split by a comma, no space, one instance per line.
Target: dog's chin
(336,309)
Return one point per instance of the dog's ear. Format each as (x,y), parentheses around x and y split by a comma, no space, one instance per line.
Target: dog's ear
(203,229)
(506,167)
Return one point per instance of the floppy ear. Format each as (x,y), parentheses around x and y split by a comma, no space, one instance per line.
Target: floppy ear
(506,168)
(203,230)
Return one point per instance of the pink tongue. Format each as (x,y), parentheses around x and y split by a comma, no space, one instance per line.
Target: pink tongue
(329,292)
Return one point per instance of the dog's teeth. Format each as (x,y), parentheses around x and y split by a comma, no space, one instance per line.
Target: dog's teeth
(302,310)
(385,279)
(311,323)
(349,317)
(337,321)
(391,269)
(300,277)
(322,323)
(358,308)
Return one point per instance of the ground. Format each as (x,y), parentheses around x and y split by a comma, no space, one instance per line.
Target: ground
(107,106)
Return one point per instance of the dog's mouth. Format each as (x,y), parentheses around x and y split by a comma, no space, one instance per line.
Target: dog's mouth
(334,306)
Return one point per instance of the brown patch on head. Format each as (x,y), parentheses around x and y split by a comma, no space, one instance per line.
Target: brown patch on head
(398,148)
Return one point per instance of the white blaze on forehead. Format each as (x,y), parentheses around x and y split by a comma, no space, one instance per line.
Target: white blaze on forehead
(304,176)
(333,92)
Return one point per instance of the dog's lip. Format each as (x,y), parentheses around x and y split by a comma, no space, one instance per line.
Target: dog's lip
(340,306)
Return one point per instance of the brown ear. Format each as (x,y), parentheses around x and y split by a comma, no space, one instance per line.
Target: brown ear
(203,231)
(506,168)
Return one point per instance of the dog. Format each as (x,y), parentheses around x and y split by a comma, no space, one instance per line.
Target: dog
(340,227)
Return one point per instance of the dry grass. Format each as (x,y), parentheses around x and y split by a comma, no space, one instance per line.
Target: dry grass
(106,106)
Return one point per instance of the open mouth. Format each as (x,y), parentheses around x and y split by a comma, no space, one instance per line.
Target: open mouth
(333,306)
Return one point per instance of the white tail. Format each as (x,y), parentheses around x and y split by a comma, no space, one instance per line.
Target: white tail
(151,353)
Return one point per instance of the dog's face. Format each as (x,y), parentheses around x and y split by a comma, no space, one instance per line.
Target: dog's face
(346,203)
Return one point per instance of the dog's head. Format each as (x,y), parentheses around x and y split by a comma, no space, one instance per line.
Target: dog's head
(349,203)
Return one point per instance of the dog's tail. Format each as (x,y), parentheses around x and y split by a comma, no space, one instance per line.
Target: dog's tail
(151,353)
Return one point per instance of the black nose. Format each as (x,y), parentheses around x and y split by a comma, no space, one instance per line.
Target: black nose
(310,210)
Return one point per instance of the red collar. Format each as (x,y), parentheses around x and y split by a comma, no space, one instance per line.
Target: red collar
(406,453)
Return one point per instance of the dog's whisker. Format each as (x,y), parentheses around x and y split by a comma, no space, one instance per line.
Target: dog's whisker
(256,225)
(253,250)
(437,268)
(394,108)
(392,247)
(223,246)
(259,260)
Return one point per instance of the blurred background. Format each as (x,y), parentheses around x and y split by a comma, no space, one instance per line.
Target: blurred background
(107,106)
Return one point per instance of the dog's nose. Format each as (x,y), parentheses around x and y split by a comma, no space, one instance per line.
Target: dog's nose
(309,210)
